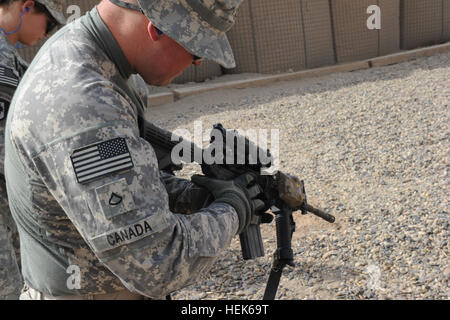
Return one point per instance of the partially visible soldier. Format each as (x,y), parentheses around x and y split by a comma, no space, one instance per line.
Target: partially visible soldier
(24,22)
(97,218)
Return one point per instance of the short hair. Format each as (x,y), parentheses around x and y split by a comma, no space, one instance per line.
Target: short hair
(7,2)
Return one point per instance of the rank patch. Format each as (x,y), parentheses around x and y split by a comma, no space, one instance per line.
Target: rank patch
(115,198)
(4,105)
(100,159)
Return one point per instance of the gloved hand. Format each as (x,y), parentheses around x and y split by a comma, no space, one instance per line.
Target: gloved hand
(239,193)
(185,197)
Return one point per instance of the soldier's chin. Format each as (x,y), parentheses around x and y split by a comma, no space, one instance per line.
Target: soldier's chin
(161,82)
(30,42)
(166,82)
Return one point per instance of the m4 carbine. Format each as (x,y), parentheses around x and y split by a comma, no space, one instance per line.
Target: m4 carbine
(283,193)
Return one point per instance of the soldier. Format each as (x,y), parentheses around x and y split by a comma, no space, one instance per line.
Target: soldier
(20,22)
(96,217)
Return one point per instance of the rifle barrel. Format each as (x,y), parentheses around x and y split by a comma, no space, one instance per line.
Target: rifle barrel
(322,214)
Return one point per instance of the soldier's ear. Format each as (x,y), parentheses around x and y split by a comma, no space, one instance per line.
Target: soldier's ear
(27,5)
(153,32)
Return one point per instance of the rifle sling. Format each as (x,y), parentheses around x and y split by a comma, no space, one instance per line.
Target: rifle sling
(272,284)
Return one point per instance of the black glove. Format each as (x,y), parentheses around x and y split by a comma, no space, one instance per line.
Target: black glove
(239,193)
(185,197)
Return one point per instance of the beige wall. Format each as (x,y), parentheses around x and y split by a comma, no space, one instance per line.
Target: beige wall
(424,22)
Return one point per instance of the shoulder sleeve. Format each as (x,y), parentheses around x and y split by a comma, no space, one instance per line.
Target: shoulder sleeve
(6,94)
(106,178)
(22,65)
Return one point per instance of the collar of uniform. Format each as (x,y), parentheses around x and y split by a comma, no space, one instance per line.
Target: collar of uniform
(7,51)
(105,39)
(10,57)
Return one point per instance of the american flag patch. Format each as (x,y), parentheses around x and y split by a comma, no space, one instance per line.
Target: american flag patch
(98,160)
(8,77)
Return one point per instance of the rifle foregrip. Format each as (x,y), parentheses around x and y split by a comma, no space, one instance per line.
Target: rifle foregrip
(251,242)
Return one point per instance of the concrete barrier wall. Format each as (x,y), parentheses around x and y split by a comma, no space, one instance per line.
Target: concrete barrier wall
(354,40)
(421,23)
(389,34)
(268,37)
(318,33)
(278,37)
(446,18)
(310,34)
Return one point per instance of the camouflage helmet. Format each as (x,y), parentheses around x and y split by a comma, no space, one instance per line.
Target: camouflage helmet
(55,7)
(198,25)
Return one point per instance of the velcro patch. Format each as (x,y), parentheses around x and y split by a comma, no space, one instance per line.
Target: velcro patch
(130,233)
(8,78)
(115,198)
(4,106)
(101,159)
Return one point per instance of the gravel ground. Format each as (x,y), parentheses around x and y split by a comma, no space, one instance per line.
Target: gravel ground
(373,149)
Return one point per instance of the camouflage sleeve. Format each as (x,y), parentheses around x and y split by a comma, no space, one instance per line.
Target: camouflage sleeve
(185,196)
(6,93)
(106,178)
(21,65)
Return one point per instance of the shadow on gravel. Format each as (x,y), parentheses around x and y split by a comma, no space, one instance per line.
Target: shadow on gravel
(229,100)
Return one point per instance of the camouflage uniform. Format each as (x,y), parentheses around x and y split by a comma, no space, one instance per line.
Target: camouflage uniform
(117,227)
(12,68)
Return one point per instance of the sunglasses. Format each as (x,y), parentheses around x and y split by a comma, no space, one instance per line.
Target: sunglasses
(196,58)
(51,22)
